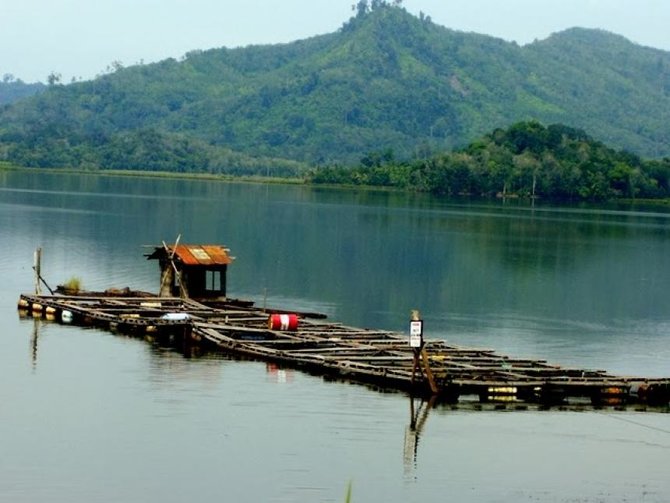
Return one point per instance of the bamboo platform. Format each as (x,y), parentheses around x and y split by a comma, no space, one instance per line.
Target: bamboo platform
(381,358)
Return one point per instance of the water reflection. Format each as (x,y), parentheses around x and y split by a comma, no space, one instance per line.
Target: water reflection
(279,375)
(37,322)
(418,417)
(33,342)
(579,286)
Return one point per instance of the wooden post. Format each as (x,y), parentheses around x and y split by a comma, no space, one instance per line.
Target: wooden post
(167,279)
(415,366)
(182,280)
(183,292)
(415,340)
(429,373)
(417,344)
(37,267)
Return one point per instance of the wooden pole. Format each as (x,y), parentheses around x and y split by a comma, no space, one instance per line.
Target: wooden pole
(429,373)
(415,366)
(420,354)
(37,267)
(415,341)
(167,279)
(183,293)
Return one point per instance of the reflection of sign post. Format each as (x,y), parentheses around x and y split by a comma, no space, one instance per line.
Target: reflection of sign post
(416,334)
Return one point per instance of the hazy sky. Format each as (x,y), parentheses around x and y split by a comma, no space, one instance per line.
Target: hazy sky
(80,38)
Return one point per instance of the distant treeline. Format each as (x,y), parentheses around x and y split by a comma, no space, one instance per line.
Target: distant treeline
(142,150)
(528,159)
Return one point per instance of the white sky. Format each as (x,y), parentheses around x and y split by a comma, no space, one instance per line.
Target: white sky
(80,38)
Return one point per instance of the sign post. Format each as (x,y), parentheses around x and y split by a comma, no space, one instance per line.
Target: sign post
(417,344)
(415,340)
(416,333)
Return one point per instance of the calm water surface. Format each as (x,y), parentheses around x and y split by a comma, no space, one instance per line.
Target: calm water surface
(90,416)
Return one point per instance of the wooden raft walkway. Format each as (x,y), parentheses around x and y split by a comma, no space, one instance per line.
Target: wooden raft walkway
(377,357)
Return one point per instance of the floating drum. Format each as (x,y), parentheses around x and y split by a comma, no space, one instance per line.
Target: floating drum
(23,304)
(176,316)
(287,322)
(501,394)
(66,316)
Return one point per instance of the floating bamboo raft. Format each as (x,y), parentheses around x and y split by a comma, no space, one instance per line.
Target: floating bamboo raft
(377,357)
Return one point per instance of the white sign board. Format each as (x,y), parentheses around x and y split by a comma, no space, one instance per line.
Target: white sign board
(415,333)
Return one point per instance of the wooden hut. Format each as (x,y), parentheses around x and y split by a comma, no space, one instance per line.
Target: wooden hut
(192,271)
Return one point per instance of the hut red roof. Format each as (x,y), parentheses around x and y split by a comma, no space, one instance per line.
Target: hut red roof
(196,254)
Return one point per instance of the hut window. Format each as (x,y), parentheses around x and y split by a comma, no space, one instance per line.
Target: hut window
(213,281)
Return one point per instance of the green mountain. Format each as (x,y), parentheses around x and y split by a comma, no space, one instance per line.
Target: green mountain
(12,89)
(385,80)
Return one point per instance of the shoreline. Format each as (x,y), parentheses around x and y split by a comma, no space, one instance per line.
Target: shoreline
(258,179)
(156,174)
(169,175)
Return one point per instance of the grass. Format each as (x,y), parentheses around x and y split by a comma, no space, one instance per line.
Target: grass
(73,285)
(6,166)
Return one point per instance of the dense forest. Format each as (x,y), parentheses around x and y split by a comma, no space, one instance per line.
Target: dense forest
(527,159)
(13,89)
(386,79)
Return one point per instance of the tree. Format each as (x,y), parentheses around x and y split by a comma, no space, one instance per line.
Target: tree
(54,78)
(361,8)
(116,66)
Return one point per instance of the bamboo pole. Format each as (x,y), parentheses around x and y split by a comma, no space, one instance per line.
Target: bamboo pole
(37,267)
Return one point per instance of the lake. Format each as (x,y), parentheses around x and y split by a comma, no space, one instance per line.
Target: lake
(89,416)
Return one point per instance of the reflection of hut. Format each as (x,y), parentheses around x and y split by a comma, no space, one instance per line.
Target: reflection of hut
(195,271)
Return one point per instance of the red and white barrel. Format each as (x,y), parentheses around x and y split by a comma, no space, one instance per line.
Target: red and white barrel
(285,322)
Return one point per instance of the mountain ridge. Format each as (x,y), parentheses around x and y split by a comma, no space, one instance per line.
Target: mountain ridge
(385,79)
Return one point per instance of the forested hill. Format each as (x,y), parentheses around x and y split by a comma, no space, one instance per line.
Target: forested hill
(527,160)
(386,79)
(12,89)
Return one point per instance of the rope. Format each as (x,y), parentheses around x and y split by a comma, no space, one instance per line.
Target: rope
(642,425)
(39,276)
